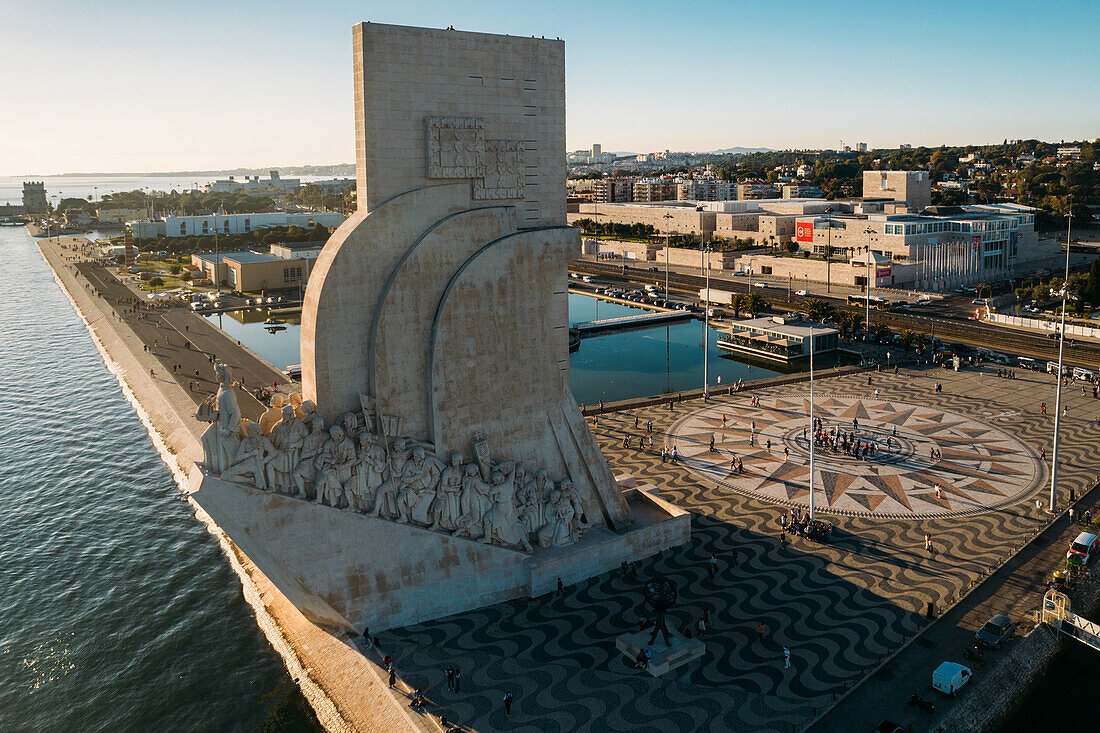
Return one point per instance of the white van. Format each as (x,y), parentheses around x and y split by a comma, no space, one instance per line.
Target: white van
(1052,368)
(1083,374)
(950,677)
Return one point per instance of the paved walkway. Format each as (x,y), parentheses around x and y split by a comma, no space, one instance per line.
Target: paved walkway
(840,608)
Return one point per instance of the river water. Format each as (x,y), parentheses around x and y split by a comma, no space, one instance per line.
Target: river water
(119,611)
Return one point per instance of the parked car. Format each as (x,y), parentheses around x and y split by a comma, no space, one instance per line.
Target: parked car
(1084,549)
(801,292)
(996,632)
(1083,374)
(950,677)
(1026,362)
(760,285)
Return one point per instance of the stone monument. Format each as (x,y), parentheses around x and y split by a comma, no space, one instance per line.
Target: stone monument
(457,469)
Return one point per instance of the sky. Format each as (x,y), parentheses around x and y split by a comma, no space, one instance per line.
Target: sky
(149,86)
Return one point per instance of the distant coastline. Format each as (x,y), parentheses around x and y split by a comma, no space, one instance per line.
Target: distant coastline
(336,169)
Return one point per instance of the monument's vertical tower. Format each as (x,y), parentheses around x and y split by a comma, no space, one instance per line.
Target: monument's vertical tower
(444,298)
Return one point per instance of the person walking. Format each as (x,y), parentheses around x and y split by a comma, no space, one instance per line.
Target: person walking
(761,630)
(928,543)
(450,675)
(712,566)
(1071,516)
(393,676)
(786,658)
(458,680)
(507,700)
(1043,409)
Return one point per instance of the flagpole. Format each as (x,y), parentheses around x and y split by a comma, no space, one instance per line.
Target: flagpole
(1058,378)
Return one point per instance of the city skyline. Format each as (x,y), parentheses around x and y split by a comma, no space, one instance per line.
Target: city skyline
(224,86)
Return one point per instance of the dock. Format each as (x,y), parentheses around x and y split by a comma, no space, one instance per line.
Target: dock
(630,323)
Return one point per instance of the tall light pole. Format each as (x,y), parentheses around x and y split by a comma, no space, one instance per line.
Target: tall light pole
(867,299)
(811,421)
(706,326)
(1058,380)
(667,240)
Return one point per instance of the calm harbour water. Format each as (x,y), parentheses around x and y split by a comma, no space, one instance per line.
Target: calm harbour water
(610,367)
(120,611)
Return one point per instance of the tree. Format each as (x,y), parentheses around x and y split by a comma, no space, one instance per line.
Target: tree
(908,338)
(816,309)
(156,282)
(754,304)
(791,247)
(737,302)
(175,269)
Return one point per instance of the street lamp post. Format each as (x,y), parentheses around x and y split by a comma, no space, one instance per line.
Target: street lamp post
(706,326)
(667,240)
(1058,379)
(811,422)
(867,298)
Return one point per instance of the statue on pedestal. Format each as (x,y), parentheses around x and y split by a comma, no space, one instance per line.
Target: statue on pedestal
(337,463)
(253,455)
(219,441)
(447,508)
(500,522)
(287,437)
(660,594)
(305,473)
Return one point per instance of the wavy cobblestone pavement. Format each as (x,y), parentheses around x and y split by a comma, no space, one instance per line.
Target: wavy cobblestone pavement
(839,607)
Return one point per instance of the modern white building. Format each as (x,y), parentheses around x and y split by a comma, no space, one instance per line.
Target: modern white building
(205,225)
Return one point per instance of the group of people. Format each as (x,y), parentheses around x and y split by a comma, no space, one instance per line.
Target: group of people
(845,443)
(1006,373)
(354,466)
(800,523)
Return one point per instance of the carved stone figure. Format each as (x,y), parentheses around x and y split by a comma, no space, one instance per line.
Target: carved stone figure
(579,523)
(219,441)
(529,505)
(386,504)
(500,523)
(287,437)
(540,488)
(372,470)
(337,463)
(447,508)
(305,473)
(253,454)
(558,530)
(419,478)
(473,504)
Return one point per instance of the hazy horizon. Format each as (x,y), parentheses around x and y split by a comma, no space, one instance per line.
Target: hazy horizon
(133,87)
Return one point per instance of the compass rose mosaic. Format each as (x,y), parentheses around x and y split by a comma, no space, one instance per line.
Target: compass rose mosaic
(926,461)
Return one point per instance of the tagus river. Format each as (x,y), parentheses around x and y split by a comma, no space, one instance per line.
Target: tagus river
(119,611)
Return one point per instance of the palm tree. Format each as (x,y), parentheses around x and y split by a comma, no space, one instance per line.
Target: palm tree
(909,337)
(737,302)
(816,309)
(882,332)
(754,304)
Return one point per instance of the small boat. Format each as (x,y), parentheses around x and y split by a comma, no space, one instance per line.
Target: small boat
(294,371)
(274,322)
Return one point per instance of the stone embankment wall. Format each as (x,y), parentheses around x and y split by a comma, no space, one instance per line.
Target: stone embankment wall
(993,698)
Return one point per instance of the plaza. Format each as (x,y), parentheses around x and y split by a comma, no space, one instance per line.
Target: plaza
(841,608)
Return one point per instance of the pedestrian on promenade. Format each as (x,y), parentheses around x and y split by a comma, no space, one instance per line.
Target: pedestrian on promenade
(635,422)
(782,539)
(733,557)
(786,658)
(712,566)
(393,676)
(761,630)
(507,700)
(928,543)
(1043,409)
(1071,518)
(458,679)
(450,675)
(712,444)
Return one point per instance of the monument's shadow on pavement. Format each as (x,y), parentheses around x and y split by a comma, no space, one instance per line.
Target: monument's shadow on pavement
(557,653)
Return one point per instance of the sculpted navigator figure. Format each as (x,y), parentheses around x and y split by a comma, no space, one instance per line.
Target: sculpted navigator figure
(372,469)
(219,441)
(287,437)
(446,508)
(386,504)
(305,474)
(419,478)
(559,529)
(337,463)
(253,454)
(500,522)
(474,503)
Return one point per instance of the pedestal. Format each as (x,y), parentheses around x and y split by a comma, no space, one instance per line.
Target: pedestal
(665,658)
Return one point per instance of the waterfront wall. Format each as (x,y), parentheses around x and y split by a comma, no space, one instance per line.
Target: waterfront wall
(996,695)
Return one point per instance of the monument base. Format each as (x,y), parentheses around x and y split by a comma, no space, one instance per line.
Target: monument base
(349,570)
(665,658)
